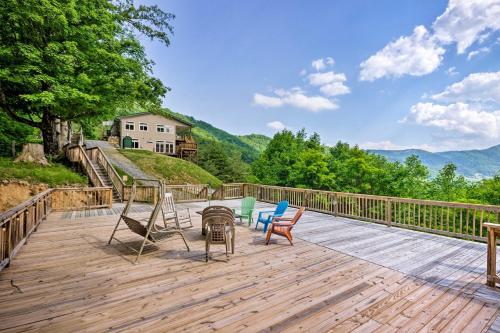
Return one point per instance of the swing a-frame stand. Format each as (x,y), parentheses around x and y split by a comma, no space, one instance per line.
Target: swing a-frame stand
(146,228)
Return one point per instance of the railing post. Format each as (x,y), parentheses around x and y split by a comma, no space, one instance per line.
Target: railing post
(388,212)
(335,205)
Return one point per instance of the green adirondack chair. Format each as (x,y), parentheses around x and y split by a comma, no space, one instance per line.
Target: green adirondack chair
(246,211)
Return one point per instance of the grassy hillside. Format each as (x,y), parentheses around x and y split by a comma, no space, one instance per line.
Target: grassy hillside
(54,175)
(172,170)
(470,163)
(250,146)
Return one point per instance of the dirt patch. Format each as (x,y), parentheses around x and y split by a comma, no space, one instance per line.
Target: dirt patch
(14,193)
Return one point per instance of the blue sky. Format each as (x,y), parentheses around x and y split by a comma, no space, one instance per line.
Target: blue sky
(382,74)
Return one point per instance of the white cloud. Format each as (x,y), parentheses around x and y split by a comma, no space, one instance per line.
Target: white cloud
(303,72)
(319,79)
(477,87)
(477,52)
(321,63)
(267,101)
(452,71)
(335,89)
(276,125)
(465,22)
(296,98)
(457,117)
(416,55)
(331,84)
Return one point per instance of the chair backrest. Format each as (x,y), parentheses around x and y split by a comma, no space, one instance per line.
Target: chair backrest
(216,225)
(297,216)
(280,209)
(247,205)
(168,203)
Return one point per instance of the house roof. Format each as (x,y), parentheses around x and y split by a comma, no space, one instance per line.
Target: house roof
(157,114)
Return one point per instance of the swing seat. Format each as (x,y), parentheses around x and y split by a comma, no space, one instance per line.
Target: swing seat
(146,228)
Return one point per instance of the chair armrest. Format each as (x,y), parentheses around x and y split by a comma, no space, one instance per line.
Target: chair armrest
(265,212)
(279,218)
(282,224)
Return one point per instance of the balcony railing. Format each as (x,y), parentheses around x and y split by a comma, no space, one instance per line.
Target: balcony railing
(455,219)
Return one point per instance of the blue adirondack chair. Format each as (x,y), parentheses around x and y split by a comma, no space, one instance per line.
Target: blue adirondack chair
(266,217)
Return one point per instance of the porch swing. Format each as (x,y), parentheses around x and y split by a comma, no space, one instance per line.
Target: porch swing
(146,228)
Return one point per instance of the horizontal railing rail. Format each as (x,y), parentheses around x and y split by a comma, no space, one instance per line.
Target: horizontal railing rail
(65,199)
(187,193)
(19,222)
(455,219)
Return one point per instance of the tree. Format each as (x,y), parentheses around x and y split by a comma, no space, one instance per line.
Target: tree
(67,60)
(223,162)
(448,186)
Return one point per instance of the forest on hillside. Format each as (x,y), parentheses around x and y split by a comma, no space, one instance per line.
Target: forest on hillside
(298,160)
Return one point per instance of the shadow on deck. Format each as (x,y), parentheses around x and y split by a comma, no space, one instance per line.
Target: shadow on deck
(341,275)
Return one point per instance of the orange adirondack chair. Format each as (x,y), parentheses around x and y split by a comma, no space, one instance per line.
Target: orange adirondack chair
(283,226)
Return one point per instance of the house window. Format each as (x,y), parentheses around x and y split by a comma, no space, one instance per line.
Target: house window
(169,148)
(169,129)
(143,127)
(129,125)
(160,128)
(135,143)
(160,147)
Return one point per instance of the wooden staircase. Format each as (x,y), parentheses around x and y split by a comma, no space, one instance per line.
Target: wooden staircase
(101,171)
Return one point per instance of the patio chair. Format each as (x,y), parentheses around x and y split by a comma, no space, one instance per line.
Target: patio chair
(220,230)
(146,228)
(266,217)
(172,215)
(213,209)
(283,226)
(246,210)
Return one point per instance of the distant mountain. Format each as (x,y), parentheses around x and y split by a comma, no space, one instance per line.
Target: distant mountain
(470,163)
(250,145)
(258,141)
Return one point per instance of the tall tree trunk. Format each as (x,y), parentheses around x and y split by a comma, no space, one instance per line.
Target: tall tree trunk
(55,134)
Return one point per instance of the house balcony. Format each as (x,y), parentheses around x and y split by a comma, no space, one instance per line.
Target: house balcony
(341,275)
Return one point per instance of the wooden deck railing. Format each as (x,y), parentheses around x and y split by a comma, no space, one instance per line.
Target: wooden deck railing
(455,219)
(65,199)
(78,155)
(96,154)
(186,193)
(17,223)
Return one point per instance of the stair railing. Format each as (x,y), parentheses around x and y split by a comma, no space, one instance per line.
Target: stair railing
(96,154)
(78,154)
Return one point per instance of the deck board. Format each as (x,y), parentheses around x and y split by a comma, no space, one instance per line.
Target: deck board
(341,275)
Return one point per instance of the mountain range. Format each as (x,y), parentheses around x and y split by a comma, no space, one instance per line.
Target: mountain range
(476,164)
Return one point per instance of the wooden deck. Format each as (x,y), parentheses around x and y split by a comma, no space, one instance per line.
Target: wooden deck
(341,275)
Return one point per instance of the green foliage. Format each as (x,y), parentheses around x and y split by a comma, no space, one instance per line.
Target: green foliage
(222,162)
(297,161)
(74,60)
(54,175)
(172,170)
(258,141)
(487,191)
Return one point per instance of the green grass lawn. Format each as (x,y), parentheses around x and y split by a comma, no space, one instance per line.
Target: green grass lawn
(121,173)
(54,175)
(172,170)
